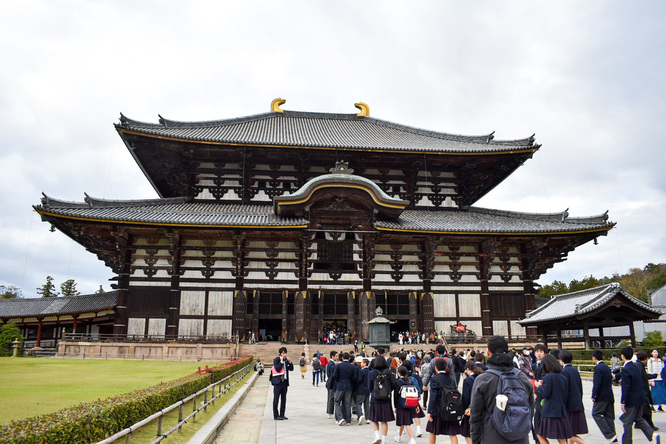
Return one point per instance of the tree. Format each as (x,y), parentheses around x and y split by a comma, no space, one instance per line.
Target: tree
(68,288)
(635,283)
(654,339)
(10,292)
(48,290)
(100,291)
(548,291)
(656,282)
(8,333)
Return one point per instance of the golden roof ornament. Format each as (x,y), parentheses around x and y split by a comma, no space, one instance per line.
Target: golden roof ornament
(364,108)
(276,103)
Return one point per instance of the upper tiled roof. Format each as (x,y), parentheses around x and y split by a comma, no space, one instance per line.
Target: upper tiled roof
(581,302)
(177,211)
(17,308)
(307,129)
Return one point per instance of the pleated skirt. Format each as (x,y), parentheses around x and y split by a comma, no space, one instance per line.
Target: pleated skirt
(556,428)
(440,427)
(381,412)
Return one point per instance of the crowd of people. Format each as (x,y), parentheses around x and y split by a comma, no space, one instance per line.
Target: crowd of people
(501,395)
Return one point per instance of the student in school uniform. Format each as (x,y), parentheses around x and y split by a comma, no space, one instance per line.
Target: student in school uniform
(403,415)
(381,412)
(554,391)
(575,409)
(471,372)
(443,376)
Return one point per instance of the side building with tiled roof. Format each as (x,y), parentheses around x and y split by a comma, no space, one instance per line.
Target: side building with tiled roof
(44,321)
(254,233)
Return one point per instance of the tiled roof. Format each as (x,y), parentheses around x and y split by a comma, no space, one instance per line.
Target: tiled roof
(307,129)
(482,220)
(177,211)
(173,211)
(581,302)
(17,308)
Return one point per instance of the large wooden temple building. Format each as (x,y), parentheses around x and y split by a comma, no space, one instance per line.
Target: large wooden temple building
(290,223)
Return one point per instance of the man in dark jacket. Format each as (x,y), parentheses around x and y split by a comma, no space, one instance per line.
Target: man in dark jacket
(331,391)
(484,393)
(603,410)
(641,361)
(633,400)
(362,391)
(343,379)
(282,365)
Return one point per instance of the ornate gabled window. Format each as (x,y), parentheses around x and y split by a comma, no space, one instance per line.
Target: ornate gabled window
(335,255)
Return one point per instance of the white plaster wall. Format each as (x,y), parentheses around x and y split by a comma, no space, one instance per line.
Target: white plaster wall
(156,327)
(220,303)
(190,327)
(218,327)
(444,305)
(469,305)
(192,302)
(136,326)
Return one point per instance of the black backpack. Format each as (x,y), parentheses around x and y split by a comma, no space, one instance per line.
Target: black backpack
(514,422)
(381,388)
(316,364)
(449,403)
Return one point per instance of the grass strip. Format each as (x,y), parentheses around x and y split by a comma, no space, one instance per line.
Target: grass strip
(148,433)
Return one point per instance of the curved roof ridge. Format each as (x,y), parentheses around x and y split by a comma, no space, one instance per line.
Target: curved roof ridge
(557,216)
(99,202)
(483,139)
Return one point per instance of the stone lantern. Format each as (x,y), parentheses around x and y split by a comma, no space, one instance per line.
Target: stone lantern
(380,330)
(16,345)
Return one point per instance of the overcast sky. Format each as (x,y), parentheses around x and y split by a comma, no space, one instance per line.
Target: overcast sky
(588,78)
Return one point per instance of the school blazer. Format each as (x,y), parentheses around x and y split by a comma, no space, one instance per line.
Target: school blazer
(555,390)
(602,389)
(575,398)
(632,385)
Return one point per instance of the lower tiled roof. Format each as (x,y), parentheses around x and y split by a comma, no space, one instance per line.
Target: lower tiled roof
(582,302)
(451,220)
(28,307)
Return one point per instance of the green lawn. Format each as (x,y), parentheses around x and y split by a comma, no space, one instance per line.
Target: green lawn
(34,386)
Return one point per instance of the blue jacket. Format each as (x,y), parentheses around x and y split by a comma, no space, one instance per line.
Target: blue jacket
(435,389)
(371,381)
(632,385)
(468,383)
(554,391)
(362,381)
(602,389)
(344,376)
(330,368)
(575,398)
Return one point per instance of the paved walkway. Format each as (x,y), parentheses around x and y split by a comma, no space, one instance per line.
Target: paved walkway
(306,410)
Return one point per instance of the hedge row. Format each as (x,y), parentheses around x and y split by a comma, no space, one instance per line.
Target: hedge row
(94,421)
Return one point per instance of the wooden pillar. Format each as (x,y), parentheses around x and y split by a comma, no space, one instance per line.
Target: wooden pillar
(255,313)
(413,312)
(75,324)
(301,313)
(632,335)
(544,333)
(351,312)
(427,313)
(285,331)
(602,340)
(173,313)
(238,322)
(39,332)
(559,338)
(586,334)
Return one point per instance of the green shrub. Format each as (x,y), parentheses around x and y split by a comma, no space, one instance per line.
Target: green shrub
(94,421)
(8,333)
(654,339)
